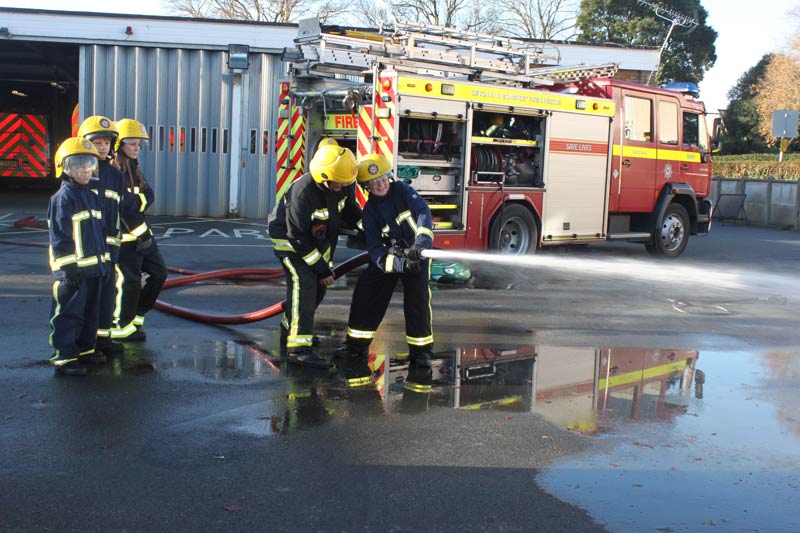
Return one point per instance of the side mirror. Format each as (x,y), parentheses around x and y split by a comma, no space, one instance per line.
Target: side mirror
(716,134)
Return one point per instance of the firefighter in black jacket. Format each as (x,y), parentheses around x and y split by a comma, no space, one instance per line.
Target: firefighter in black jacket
(79,257)
(304,234)
(102,133)
(397,226)
(139,252)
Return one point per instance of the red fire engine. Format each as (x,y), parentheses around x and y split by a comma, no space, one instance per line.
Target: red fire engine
(24,146)
(509,155)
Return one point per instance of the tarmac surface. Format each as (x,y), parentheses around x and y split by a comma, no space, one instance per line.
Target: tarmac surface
(650,396)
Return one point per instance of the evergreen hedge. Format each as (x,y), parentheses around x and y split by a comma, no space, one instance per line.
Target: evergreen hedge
(757,166)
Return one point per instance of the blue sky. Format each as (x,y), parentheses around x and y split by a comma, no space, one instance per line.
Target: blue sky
(747,30)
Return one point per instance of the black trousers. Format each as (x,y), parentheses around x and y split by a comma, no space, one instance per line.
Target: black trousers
(136,300)
(108,301)
(371,299)
(75,313)
(303,295)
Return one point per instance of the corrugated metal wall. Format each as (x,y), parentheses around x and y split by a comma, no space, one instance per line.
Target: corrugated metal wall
(184,97)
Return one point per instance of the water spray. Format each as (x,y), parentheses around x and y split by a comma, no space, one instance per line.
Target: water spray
(634,269)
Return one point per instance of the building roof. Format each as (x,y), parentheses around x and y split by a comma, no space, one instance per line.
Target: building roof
(182,32)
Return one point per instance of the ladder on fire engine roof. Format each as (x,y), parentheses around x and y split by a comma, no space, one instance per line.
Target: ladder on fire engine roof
(435,51)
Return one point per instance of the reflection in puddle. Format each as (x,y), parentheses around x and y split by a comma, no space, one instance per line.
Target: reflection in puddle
(731,461)
(591,390)
(714,437)
(225,360)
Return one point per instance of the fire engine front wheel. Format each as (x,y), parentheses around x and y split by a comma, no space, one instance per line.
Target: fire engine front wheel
(672,234)
(514,231)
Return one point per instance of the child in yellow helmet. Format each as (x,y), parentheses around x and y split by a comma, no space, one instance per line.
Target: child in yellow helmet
(139,252)
(102,133)
(79,257)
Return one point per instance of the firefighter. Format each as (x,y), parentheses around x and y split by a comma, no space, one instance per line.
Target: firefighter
(304,233)
(398,227)
(79,257)
(139,251)
(102,133)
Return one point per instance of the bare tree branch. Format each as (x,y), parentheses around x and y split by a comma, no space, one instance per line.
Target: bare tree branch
(537,19)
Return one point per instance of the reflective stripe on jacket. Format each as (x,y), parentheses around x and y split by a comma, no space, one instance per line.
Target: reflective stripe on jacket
(111,189)
(77,233)
(401,216)
(309,210)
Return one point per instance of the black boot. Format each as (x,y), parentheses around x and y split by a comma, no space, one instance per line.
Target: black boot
(421,359)
(349,350)
(108,347)
(95,357)
(309,358)
(285,335)
(357,373)
(140,335)
(73,368)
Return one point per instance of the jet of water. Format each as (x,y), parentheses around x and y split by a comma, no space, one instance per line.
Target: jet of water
(644,270)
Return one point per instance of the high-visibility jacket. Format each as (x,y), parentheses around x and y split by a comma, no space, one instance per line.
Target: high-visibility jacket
(110,189)
(78,246)
(400,217)
(137,199)
(307,222)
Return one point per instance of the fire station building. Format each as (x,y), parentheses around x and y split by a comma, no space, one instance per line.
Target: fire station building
(207,90)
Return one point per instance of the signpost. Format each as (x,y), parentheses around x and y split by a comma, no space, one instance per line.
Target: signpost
(784,127)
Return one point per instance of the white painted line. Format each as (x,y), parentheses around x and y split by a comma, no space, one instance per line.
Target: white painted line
(162,243)
(192,221)
(6,216)
(236,221)
(28,231)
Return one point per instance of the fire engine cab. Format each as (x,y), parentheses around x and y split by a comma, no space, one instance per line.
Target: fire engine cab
(509,154)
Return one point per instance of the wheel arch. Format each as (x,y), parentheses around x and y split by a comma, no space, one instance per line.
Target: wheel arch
(523,203)
(680,193)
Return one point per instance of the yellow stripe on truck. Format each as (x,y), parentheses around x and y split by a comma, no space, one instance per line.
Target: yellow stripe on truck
(655,153)
(640,375)
(507,96)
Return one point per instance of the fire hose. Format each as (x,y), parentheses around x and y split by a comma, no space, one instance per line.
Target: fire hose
(248,274)
(238,274)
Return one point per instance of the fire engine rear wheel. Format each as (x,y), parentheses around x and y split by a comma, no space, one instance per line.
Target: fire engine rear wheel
(514,231)
(672,234)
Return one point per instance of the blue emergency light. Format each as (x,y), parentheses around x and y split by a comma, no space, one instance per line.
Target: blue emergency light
(683,87)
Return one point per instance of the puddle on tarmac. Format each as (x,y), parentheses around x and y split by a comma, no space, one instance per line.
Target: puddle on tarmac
(679,440)
(670,455)
(224,361)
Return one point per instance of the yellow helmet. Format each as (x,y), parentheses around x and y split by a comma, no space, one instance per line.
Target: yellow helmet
(70,152)
(373,166)
(130,129)
(98,126)
(327,141)
(333,163)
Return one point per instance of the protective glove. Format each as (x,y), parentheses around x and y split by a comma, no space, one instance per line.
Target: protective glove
(415,253)
(319,232)
(73,282)
(356,239)
(412,266)
(143,244)
(327,278)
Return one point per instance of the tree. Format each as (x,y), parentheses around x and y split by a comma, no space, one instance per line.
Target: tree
(689,52)
(260,11)
(535,19)
(436,12)
(779,88)
(742,133)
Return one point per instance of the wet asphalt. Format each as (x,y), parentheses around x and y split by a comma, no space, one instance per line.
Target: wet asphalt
(558,401)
